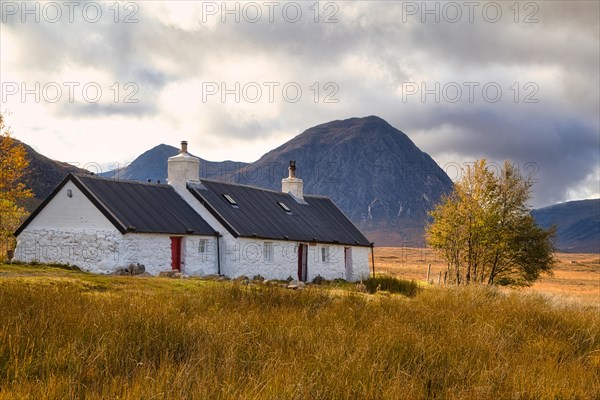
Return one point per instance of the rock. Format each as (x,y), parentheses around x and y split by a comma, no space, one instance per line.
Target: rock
(211,277)
(120,271)
(258,278)
(295,284)
(289,279)
(177,275)
(241,278)
(145,274)
(318,280)
(169,273)
(136,269)
(224,278)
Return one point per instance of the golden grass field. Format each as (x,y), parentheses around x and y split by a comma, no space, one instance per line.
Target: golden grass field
(66,334)
(576,276)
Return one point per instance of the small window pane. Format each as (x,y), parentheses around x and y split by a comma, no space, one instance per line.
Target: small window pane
(230,199)
(325,254)
(202,246)
(268,251)
(285,207)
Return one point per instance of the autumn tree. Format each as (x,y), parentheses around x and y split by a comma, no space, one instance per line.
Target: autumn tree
(485,231)
(13,166)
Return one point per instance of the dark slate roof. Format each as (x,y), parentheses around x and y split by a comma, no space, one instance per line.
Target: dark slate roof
(135,206)
(259,215)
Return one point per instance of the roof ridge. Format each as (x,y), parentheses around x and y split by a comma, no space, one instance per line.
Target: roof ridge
(240,184)
(315,196)
(103,178)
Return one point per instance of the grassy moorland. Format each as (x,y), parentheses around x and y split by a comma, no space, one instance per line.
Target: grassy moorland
(576,277)
(66,335)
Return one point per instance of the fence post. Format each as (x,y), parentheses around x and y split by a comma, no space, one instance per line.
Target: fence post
(428,271)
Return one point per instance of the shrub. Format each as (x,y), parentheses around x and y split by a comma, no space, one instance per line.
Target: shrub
(392,285)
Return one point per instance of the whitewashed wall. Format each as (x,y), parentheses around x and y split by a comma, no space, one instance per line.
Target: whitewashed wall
(245,257)
(102,251)
(71,212)
(197,263)
(151,250)
(361,263)
(94,250)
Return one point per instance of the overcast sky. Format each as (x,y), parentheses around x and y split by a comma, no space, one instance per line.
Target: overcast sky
(102,82)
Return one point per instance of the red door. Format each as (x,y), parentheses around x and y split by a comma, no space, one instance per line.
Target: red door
(175,252)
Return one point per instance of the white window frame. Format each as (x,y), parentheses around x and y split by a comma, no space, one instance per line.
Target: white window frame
(268,252)
(202,244)
(325,254)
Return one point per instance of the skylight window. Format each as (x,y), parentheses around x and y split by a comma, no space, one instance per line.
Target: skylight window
(231,200)
(285,208)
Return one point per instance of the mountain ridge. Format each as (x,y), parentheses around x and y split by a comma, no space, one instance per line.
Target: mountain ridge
(577,224)
(375,174)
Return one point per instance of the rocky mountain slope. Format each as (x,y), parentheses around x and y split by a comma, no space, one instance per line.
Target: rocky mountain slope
(371,170)
(152,165)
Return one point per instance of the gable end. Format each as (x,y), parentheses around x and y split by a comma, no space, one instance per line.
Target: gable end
(72,178)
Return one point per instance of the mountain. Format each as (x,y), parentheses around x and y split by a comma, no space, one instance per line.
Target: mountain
(44,175)
(371,170)
(577,224)
(153,165)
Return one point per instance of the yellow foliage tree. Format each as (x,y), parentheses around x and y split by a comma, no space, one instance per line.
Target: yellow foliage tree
(485,231)
(13,166)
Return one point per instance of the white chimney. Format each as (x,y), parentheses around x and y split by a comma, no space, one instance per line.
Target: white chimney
(183,167)
(293,185)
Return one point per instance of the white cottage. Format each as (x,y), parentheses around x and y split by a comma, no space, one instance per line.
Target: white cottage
(194,225)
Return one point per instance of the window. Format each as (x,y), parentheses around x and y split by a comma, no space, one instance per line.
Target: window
(268,251)
(231,201)
(325,254)
(202,246)
(285,208)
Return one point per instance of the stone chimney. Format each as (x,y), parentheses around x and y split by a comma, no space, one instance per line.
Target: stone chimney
(293,185)
(183,167)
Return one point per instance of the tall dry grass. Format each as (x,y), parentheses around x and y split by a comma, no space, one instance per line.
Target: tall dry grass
(78,336)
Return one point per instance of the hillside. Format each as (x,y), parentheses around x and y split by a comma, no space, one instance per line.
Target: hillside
(371,170)
(152,165)
(44,175)
(577,222)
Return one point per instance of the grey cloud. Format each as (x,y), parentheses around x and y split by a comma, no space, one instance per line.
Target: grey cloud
(560,134)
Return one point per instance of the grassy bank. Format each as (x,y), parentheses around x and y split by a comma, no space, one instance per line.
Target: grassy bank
(64,334)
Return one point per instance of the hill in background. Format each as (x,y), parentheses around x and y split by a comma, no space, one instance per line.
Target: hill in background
(382,181)
(577,222)
(379,178)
